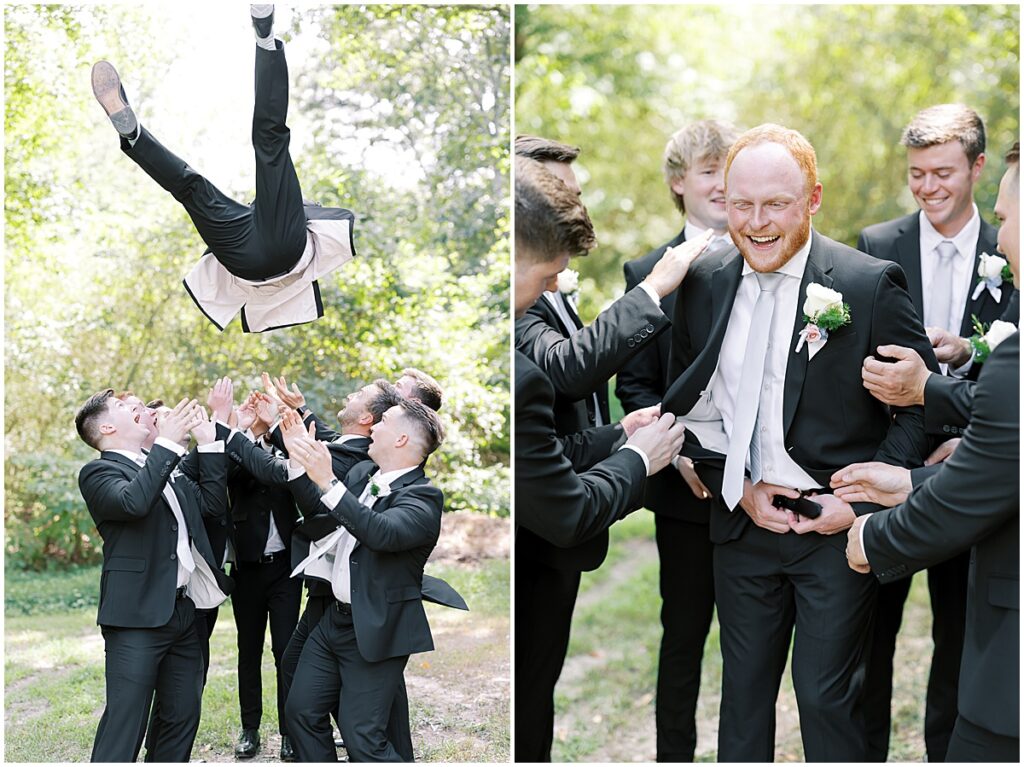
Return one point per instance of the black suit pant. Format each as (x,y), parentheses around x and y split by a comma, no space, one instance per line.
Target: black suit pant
(253,242)
(263,591)
(687,604)
(947,586)
(971,743)
(398,730)
(331,662)
(545,598)
(772,588)
(140,661)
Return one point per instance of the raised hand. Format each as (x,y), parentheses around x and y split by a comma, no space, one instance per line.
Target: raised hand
(668,273)
(638,418)
(266,408)
(205,431)
(245,414)
(292,398)
(313,456)
(660,441)
(221,399)
(872,482)
(899,383)
(182,418)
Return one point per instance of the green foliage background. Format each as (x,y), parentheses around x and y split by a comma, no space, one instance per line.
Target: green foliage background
(618,80)
(95,251)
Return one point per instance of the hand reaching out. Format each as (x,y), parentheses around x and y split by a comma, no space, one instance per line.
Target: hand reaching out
(660,441)
(899,383)
(671,268)
(638,418)
(292,398)
(183,417)
(872,482)
(312,455)
(221,399)
(205,431)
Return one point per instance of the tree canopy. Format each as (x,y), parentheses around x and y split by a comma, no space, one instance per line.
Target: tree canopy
(96,251)
(618,80)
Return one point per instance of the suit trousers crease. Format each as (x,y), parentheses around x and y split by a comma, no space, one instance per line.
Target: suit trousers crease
(252,242)
(262,592)
(687,585)
(545,599)
(331,662)
(771,589)
(138,662)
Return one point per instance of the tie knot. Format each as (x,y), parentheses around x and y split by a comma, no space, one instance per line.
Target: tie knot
(769,281)
(947,250)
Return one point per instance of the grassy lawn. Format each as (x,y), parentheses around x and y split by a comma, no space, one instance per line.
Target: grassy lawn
(458,694)
(605,698)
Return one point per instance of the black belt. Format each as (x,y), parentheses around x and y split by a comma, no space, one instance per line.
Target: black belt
(273,556)
(181,592)
(342,607)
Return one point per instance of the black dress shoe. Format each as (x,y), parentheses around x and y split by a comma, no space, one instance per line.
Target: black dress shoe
(248,744)
(262,19)
(287,749)
(106,87)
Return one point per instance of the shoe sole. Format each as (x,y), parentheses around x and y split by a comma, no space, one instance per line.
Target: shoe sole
(106,87)
(262,19)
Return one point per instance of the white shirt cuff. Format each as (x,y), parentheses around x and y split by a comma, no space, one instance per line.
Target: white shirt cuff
(174,447)
(861,534)
(652,293)
(217,446)
(642,454)
(331,497)
(294,472)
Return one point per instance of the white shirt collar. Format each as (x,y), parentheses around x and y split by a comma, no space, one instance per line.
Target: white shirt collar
(348,438)
(692,231)
(138,458)
(388,477)
(966,240)
(795,266)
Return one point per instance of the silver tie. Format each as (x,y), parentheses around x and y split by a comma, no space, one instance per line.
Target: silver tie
(748,398)
(942,286)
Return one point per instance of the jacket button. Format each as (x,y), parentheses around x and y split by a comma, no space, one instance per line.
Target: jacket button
(650,328)
(630,343)
(174,527)
(173,557)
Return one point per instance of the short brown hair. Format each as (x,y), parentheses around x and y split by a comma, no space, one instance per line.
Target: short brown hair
(794,142)
(387,397)
(551,220)
(88,416)
(428,425)
(701,140)
(427,389)
(943,123)
(541,149)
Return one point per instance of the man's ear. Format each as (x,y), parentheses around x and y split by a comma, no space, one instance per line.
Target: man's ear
(107,428)
(402,440)
(366,419)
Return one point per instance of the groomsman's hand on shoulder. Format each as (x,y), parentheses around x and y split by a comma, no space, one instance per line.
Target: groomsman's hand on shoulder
(668,273)
(872,482)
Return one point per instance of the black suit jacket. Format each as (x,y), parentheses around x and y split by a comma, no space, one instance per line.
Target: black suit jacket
(553,501)
(973,500)
(395,536)
(829,418)
(642,383)
(899,241)
(579,365)
(139,530)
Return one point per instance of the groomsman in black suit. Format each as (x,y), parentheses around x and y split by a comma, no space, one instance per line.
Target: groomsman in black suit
(694,169)
(390,517)
(773,407)
(556,508)
(158,568)
(974,499)
(939,248)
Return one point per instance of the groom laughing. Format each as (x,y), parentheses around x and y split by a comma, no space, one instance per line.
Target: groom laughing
(767,348)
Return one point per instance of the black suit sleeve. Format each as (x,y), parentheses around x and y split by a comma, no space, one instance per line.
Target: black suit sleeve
(947,405)
(111,496)
(413,519)
(324,433)
(896,322)
(641,380)
(212,486)
(976,490)
(259,463)
(578,365)
(862,244)
(589,446)
(552,500)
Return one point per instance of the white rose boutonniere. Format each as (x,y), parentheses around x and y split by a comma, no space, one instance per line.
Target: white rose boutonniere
(379,488)
(824,312)
(568,282)
(984,342)
(993,271)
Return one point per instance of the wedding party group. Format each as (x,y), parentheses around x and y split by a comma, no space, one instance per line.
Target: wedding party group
(810,424)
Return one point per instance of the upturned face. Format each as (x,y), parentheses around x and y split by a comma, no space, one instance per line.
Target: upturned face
(703,193)
(356,405)
(768,205)
(387,434)
(144,416)
(123,420)
(1008,212)
(942,182)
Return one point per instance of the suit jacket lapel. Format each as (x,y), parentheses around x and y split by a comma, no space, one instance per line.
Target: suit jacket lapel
(908,246)
(818,269)
(986,244)
(570,311)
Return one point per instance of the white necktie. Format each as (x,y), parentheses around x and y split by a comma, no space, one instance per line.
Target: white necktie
(748,397)
(942,285)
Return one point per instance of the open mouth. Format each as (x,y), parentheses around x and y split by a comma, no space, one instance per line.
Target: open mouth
(763,243)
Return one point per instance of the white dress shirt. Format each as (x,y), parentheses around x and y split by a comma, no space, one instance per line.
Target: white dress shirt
(776,465)
(966,242)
